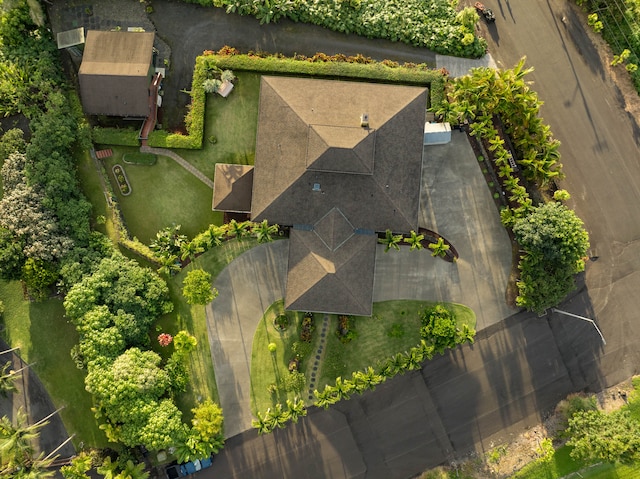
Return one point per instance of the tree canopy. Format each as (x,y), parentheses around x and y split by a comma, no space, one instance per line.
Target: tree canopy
(555,243)
(597,436)
(197,287)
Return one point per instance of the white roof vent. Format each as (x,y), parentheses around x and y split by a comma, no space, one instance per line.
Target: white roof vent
(364,120)
(316,187)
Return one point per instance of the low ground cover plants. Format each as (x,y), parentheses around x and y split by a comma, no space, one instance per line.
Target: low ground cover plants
(434,24)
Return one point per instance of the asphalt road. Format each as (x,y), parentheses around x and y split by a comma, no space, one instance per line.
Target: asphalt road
(601,157)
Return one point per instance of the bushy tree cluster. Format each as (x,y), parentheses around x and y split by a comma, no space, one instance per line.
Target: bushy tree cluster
(43,213)
(609,437)
(555,244)
(440,330)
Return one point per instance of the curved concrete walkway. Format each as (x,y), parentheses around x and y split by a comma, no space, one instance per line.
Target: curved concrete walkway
(456,202)
(181,161)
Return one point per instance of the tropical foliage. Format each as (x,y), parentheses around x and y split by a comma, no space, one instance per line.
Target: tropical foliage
(43,214)
(619,23)
(608,437)
(555,245)
(434,24)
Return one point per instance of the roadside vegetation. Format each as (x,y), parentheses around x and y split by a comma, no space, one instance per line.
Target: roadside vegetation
(582,441)
(434,24)
(502,113)
(619,24)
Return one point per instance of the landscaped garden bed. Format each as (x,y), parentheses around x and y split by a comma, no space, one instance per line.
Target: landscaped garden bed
(121,179)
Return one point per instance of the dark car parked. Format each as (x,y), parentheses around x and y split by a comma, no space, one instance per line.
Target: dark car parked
(486,12)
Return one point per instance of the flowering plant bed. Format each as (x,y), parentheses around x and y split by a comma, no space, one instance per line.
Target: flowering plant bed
(307,327)
(122,180)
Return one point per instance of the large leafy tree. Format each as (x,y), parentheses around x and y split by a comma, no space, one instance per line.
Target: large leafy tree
(197,287)
(555,244)
(597,436)
(130,395)
(134,296)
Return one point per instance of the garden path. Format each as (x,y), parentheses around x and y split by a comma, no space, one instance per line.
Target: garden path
(181,161)
(317,357)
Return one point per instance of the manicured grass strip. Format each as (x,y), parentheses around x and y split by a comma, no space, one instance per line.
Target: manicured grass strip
(90,183)
(162,195)
(561,465)
(394,327)
(272,368)
(193,319)
(45,339)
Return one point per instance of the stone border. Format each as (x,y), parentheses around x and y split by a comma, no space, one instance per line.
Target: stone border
(126,180)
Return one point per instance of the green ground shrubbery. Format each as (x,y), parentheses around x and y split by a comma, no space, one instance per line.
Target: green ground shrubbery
(433,24)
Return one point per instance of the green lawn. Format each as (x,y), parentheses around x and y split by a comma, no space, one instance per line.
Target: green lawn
(233,121)
(272,368)
(163,194)
(394,327)
(90,183)
(45,339)
(193,319)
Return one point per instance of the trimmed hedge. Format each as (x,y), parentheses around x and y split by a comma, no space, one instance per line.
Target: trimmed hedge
(331,66)
(320,65)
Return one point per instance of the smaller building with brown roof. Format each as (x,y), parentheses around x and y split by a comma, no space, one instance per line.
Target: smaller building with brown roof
(232,186)
(115,74)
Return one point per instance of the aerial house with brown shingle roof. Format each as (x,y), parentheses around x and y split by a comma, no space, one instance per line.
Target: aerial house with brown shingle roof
(116,72)
(337,161)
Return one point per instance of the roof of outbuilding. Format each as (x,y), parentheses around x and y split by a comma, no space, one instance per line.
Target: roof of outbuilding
(117,53)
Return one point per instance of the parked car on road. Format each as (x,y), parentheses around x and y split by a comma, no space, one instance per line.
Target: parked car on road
(485,11)
(174,471)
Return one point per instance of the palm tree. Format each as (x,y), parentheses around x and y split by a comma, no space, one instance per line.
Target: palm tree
(8,379)
(439,248)
(169,265)
(391,241)
(108,468)
(296,409)
(132,471)
(263,231)
(238,229)
(38,468)
(261,424)
(214,236)
(189,250)
(16,440)
(415,240)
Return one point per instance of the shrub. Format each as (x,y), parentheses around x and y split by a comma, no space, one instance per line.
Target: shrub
(294,381)
(281,322)
(272,347)
(346,329)
(307,327)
